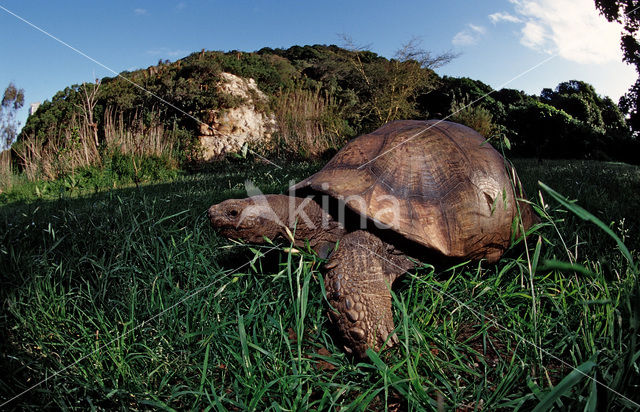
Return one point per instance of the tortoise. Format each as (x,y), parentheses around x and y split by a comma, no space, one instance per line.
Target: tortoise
(413,191)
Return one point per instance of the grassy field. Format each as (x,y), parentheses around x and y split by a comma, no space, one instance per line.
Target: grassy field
(124,297)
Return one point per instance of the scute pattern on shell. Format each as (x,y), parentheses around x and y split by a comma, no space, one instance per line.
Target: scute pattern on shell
(452,187)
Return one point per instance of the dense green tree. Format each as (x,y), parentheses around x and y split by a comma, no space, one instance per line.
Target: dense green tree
(53,117)
(459,92)
(580,100)
(570,121)
(544,131)
(511,97)
(627,13)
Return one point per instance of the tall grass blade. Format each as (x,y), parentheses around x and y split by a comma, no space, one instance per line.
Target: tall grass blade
(564,387)
(583,214)
(388,374)
(536,255)
(246,361)
(205,365)
(552,264)
(592,401)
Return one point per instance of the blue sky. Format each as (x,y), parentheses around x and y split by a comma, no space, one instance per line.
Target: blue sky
(521,44)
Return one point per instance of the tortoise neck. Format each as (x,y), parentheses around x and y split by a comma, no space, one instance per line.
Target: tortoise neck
(306,221)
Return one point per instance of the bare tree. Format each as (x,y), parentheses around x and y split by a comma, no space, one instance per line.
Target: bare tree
(413,51)
(394,84)
(89,100)
(357,50)
(12,101)
(411,73)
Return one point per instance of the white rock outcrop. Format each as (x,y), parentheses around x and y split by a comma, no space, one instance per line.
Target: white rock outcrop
(226,130)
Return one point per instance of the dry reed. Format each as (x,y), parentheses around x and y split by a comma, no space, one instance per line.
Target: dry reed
(6,170)
(130,135)
(307,122)
(75,146)
(54,156)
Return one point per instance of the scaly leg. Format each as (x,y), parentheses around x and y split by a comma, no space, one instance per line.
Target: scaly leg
(358,283)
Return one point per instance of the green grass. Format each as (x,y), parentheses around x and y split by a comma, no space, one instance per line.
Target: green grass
(139,304)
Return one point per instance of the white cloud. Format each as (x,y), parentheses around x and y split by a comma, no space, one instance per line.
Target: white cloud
(139,12)
(468,36)
(573,29)
(477,29)
(534,35)
(463,38)
(501,16)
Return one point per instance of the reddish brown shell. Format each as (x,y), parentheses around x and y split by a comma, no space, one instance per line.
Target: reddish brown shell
(438,183)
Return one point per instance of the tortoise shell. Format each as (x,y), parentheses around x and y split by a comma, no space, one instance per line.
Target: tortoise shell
(437,183)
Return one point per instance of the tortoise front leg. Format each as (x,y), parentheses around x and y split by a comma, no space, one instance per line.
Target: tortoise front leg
(358,282)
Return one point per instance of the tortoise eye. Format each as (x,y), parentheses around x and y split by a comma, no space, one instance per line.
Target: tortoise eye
(232,213)
(489,200)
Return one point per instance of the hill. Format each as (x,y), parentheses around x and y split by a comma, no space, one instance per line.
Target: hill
(317,97)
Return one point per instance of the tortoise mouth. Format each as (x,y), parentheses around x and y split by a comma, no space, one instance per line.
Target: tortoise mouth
(230,231)
(227,227)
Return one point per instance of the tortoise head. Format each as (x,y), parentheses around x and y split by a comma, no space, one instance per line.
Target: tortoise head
(249,219)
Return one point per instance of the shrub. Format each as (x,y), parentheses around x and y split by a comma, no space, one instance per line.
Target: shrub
(130,168)
(474,116)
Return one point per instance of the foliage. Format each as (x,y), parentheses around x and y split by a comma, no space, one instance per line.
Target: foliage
(476,117)
(391,87)
(626,12)
(12,101)
(117,171)
(445,100)
(137,169)
(369,89)
(176,96)
(571,122)
(321,97)
(151,309)
(545,131)
(580,100)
